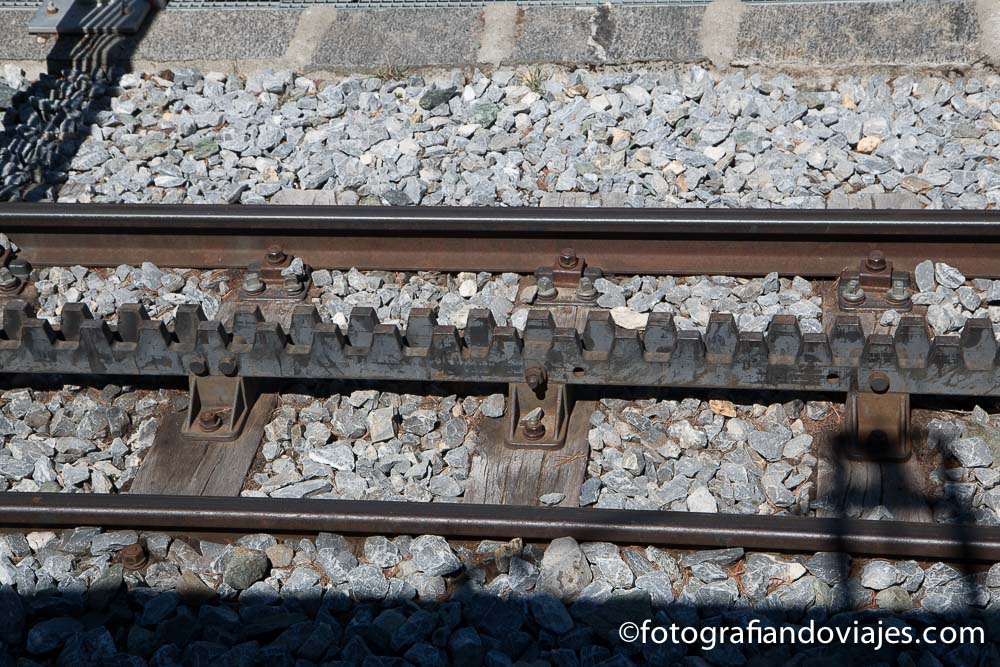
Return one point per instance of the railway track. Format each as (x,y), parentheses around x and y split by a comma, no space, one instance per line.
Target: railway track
(568,351)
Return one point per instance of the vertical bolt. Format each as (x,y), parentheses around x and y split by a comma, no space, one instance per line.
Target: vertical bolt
(875,261)
(8,281)
(568,258)
(535,377)
(133,557)
(252,284)
(19,267)
(898,293)
(532,425)
(586,291)
(852,292)
(546,288)
(275,254)
(292,285)
(209,420)
(51,8)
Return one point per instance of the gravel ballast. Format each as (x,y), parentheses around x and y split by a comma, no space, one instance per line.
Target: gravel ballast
(639,137)
(67,599)
(941,293)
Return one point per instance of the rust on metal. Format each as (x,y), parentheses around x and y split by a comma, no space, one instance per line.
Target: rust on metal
(133,557)
(463,520)
(656,241)
(874,286)
(879,424)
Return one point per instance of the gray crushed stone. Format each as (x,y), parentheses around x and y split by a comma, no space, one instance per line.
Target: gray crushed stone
(692,455)
(75,439)
(331,599)
(645,137)
(371,445)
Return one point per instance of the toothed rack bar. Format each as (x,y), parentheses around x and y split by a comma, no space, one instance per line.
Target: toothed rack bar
(604,354)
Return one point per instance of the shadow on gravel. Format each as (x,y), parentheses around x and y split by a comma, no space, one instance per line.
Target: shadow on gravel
(184,622)
(45,125)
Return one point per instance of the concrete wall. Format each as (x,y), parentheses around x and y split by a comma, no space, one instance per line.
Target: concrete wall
(941,33)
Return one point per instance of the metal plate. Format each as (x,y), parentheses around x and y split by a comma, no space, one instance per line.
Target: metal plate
(89,17)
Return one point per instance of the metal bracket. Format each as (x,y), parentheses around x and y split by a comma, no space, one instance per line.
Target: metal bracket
(264,281)
(874,286)
(218,407)
(879,425)
(569,281)
(526,428)
(89,17)
(14,275)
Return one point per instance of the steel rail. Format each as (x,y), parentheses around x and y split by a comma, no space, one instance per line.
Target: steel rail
(467,521)
(813,243)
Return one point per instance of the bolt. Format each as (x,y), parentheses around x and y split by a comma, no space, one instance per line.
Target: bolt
(879,382)
(586,291)
(51,8)
(252,284)
(546,288)
(292,285)
(535,376)
(532,425)
(275,254)
(852,292)
(568,258)
(228,365)
(198,365)
(209,420)
(875,261)
(898,293)
(19,267)
(878,438)
(8,281)
(133,557)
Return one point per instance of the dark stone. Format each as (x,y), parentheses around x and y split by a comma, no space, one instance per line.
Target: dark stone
(6,96)
(417,627)
(51,634)
(104,589)
(466,648)
(426,655)
(11,616)
(266,620)
(245,568)
(93,647)
(437,96)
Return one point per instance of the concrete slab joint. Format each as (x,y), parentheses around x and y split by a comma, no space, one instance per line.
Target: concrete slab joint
(499,34)
(720,27)
(988,14)
(313,26)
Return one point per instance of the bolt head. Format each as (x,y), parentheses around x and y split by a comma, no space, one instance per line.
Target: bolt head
(531,424)
(275,254)
(19,267)
(876,260)
(198,365)
(535,377)
(568,258)
(209,420)
(252,284)
(228,365)
(133,557)
(878,382)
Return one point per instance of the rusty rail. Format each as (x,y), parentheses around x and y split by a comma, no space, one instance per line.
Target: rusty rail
(751,242)
(679,529)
